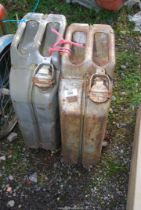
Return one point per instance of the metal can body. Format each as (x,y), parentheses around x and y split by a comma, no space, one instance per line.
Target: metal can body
(85,92)
(70,113)
(34,79)
(86,3)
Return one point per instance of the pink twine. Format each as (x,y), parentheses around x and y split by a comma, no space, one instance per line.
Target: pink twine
(56,47)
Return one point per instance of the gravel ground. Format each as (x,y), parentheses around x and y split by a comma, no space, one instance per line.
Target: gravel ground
(40,180)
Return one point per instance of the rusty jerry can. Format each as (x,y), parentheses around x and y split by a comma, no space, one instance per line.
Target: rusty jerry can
(85,92)
(34,79)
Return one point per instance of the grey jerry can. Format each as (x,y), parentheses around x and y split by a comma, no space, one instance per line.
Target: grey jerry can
(86,3)
(85,92)
(34,79)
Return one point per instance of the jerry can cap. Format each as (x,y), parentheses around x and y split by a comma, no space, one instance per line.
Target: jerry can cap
(44,76)
(99,87)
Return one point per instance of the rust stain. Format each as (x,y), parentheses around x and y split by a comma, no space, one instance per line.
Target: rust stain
(40,83)
(70,145)
(94,133)
(72,99)
(101,48)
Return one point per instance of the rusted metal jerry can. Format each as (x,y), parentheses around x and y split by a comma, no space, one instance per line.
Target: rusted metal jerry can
(85,91)
(34,79)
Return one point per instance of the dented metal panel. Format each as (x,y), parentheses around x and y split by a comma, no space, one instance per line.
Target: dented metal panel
(34,79)
(85,92)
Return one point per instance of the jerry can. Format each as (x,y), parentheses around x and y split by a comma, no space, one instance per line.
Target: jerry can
(34,79)
(85,92)
(86,3)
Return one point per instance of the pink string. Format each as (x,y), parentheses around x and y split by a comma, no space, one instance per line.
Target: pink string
(57,46)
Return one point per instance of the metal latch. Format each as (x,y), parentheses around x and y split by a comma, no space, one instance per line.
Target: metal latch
(100,87)
(44,77)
